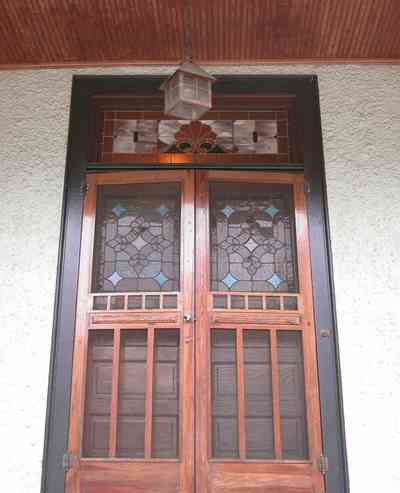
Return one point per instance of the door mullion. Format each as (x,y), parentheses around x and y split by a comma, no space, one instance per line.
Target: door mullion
(149,393)
(276,396)
(240,393)
(114,393)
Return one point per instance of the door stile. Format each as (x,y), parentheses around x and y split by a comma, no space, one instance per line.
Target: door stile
(149,393)
(308,335)
(241,393)
(203,393)
(276,413)
(114,393)
(187,395)
(79,365)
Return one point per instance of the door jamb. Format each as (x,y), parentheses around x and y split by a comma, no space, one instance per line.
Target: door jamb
(305,87)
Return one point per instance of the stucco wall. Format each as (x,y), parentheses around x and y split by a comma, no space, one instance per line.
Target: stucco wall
(361,125)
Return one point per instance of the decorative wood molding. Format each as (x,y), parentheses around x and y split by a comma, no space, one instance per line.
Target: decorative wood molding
(135,318)
(195,137)
(254,318)
(211,63)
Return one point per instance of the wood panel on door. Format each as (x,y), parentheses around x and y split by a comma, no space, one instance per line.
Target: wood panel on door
(131,419)
(257,415)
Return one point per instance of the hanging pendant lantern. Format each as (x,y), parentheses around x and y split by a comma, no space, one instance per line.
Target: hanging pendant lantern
(188,92)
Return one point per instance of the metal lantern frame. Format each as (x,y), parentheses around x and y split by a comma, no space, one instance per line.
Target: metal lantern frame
(188,92)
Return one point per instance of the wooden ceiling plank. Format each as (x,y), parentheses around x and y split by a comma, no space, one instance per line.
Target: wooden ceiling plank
(170,40)
(7,42)
(356,26)
(394,46)
(389,24)
(45,33)
(374,15)
(19,31)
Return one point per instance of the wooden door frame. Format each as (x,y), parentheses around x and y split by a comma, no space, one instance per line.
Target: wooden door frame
(305,88)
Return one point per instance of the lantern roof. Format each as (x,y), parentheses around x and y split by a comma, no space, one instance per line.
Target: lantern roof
(190,68)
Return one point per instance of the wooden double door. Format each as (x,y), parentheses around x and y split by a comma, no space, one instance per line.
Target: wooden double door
(194,363)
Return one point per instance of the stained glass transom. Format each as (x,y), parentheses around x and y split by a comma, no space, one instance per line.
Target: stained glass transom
(252,238)
(231,136)
(137,240)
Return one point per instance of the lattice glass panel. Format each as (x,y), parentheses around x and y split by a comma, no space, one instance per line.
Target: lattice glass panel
(252,238)
(137,239)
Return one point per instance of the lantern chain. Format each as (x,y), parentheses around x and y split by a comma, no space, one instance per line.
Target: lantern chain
(188,26)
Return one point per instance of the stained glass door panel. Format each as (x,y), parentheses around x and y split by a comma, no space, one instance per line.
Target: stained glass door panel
(130,427)
(252,238)
(258,430)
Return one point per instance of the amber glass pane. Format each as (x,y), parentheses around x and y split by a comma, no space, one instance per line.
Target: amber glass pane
(291,388)
(258,395)
(98,394)
(137,239)
(224,394)
(252,238)
(165,434)
(132,394)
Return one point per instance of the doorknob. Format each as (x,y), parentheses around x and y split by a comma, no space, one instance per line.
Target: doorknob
(187,317)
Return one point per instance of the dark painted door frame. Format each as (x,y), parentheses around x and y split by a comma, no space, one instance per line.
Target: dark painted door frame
(305,88)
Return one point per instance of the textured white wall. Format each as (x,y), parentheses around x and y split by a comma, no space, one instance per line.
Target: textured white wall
(360,108)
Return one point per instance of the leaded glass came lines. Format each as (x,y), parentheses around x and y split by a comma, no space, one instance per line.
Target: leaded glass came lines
(137,244)
(252,238)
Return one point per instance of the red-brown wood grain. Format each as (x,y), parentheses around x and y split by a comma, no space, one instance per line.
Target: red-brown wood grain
(241,474)
(102,468)
(194,318)
(45,33)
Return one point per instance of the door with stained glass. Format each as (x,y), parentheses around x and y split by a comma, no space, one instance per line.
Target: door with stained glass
(194,361)
(131,417)
(257,414)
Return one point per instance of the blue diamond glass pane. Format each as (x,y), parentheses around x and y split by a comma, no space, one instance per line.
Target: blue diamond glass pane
(161,279)
(228,210)
(163,210)
(272,210)
(229,280)
(119,210)
(114,278)
(275,280)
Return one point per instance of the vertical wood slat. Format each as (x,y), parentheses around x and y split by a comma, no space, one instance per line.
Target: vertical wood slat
(275,395)
(114,394)
(149,393)
(241,393)
(187,361)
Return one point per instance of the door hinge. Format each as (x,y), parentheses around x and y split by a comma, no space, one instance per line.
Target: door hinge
(323,464)
(68,461)
(84,188)
(305,187)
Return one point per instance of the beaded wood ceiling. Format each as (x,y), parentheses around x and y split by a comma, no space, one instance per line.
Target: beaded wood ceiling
(113,32)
